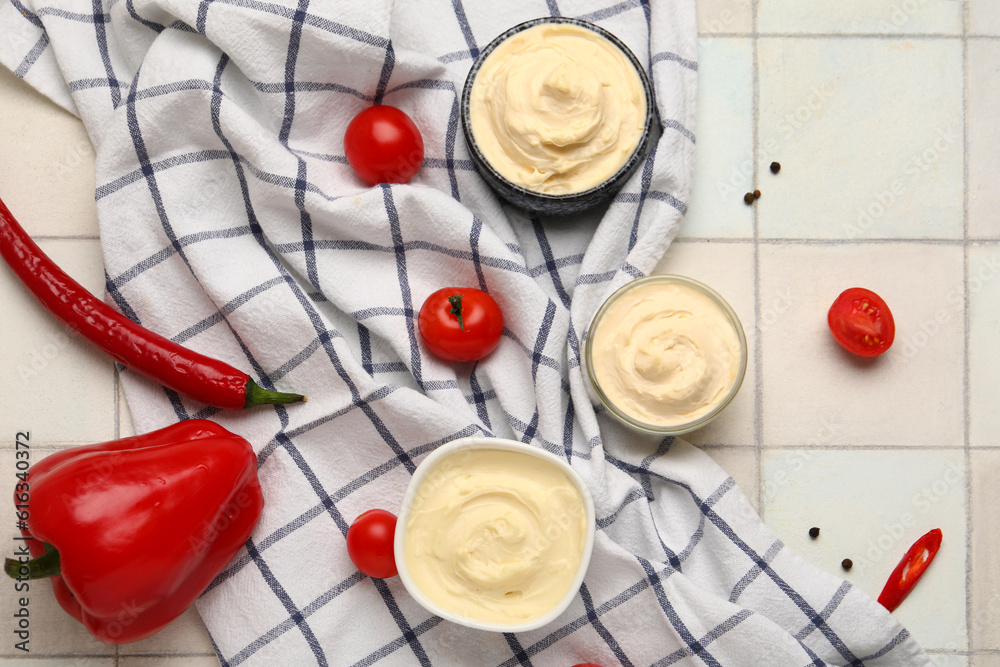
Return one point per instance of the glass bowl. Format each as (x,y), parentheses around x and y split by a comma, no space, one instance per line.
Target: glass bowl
(557,204)
(630,416)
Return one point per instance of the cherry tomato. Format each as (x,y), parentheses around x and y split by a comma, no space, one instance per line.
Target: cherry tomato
(369,543)
(460,323)
(861,322)
(383,145)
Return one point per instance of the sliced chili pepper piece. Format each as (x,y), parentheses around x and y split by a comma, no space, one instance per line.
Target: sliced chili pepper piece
(910,569)
(187,372)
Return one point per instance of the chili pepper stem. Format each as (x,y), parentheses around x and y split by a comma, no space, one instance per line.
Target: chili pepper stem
(46,565)
(257,395)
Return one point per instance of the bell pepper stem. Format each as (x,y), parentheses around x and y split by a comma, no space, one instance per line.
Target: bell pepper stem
(46,565)
(257,395)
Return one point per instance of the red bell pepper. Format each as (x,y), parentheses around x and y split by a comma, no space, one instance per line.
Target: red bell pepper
(132,531)
(910,569)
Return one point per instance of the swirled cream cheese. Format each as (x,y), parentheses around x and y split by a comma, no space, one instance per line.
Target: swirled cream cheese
(665,353)
(557,108)
(495,535)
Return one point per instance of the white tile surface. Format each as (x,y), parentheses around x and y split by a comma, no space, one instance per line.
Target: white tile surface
(984,333)
(61,661)
(57,386)
(47,174)
(984,158)
(984,619)
(888,17)
(724,16)
(910,395)
(869,136)
(984,18)
(949,660)
(835,490)
(724,151)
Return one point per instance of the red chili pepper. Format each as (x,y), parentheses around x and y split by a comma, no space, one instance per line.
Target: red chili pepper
(910,569)
(187,372)
(132,531)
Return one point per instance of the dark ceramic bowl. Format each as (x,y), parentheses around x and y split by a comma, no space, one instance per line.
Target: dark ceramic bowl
(565,204)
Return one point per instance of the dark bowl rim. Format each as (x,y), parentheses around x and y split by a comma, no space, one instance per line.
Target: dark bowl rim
(625,169)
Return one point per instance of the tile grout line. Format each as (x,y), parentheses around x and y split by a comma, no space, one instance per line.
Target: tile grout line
(851,35)
(783,240)
(758,385)
(967,317)
(65,237)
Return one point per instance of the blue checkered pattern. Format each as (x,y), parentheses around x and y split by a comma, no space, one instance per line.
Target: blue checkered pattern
(231,222)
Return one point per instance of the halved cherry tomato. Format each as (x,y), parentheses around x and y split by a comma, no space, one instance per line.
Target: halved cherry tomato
(383,145)
(369,543)
(460,323)
(861,322)
(910,569)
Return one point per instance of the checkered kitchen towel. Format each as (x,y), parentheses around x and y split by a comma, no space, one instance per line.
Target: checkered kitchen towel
(232,223)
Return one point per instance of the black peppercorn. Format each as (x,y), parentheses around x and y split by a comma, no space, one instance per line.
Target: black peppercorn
(847,564)
(775,167)
(756,194)
(814,532)
(748,198)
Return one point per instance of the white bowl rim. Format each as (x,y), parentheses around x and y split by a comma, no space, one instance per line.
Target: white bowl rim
(483,442)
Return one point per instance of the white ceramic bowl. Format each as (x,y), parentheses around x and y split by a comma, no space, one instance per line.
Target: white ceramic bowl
(479,443)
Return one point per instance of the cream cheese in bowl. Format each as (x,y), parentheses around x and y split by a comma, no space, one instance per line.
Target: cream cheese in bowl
(494,534)
(557,113)
(557,108)
(666,354)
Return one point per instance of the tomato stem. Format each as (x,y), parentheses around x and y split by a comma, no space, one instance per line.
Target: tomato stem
(456,309)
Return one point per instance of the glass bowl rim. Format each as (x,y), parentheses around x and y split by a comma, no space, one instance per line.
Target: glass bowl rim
(698,422)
